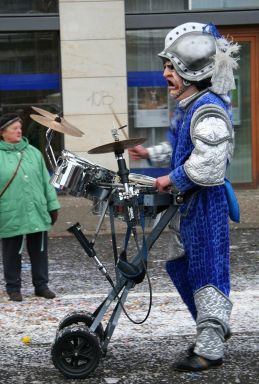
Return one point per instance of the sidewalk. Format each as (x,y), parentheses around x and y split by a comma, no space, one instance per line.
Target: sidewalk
(75,209)
(137,354)
(165,335)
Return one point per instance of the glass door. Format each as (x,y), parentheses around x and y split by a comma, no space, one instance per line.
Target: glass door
(150,111)
(244,168)
(240,170)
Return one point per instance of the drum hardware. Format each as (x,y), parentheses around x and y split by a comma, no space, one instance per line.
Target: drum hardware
(105,206)
(122,127)
(179,199)
(48,149)
(117,146)
(44,113)
(127,275)
(64,357)
(54,122)
(89,249)
(115,133)
(119,123)
(142,179)
(128,197)
(57,117)
(57,123)
(80,177)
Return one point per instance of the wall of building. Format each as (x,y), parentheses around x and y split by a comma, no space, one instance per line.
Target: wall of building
(94,77)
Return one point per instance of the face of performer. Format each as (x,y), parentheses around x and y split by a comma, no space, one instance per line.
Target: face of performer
(174,81)
(176,87)
(13,133)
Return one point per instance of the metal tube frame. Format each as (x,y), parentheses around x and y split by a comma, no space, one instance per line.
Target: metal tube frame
(123,285)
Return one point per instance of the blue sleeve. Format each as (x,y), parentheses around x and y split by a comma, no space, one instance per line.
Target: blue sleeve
(179,178)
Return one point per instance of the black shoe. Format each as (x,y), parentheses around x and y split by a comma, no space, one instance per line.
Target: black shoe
(46,293)
(15,296)
(190,350)
(196,363)
(228,335)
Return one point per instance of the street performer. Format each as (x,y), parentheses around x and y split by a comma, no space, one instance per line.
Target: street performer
(198,66)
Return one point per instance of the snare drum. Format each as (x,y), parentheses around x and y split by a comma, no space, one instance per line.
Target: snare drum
(142,179)
(144,184)
(80,177)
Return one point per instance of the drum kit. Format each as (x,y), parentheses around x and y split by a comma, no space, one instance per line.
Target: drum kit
(81,339)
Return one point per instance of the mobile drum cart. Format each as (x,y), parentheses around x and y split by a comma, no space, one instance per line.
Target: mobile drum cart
(81,340)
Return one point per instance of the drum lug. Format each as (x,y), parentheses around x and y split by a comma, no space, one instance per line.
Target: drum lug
(179,199)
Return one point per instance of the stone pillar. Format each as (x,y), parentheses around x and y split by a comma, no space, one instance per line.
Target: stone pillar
(93,60)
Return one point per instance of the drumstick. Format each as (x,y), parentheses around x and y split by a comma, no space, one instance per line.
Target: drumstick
(119,123)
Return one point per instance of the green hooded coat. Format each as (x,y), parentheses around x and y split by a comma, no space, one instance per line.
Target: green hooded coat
(25,205)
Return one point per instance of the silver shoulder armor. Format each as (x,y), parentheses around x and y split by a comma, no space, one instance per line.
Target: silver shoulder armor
(212,135)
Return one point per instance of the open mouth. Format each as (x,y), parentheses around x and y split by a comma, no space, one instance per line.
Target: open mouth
(171,85)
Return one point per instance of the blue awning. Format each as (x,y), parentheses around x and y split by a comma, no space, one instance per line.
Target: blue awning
(146,79)
(30,82)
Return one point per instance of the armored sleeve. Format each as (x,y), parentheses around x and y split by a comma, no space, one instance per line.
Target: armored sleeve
(213,139)
(160,154)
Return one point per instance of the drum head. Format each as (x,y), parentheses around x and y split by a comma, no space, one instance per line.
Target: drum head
(142,179)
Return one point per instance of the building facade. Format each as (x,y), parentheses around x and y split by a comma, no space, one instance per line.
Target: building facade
(89,58)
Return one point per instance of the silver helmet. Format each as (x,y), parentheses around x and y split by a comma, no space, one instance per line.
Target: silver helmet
(191,51)
(197,51)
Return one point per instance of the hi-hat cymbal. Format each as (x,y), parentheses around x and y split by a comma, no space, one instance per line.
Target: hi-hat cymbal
(44,113)
(117,146)
(58,124)
(71,127)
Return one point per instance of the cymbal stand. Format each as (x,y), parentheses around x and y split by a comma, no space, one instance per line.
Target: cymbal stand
(49,150)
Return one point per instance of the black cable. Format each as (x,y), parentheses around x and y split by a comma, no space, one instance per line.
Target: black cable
(150,298)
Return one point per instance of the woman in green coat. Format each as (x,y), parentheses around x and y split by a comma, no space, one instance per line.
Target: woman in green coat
(28,207)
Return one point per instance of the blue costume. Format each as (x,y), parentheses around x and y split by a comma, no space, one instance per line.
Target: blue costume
(202,141)
(199,62)
(204,227)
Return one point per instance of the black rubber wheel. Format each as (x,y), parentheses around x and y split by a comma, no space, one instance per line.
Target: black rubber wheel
(76,352)
(81,318)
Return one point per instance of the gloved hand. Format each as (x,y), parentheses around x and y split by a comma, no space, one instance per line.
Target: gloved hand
(54,216)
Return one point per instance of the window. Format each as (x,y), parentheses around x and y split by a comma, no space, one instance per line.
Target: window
(149,105)
(163,6)
(30,76)
(28,6)
(150,109)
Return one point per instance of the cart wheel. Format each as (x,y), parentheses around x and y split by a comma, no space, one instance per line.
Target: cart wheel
(80,318)
(76,352)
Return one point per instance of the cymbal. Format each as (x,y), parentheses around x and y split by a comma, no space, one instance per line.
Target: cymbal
(117,146)
(44,113)
(71,127)
(58,124)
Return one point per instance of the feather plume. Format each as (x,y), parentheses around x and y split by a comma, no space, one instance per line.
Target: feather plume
(225,62)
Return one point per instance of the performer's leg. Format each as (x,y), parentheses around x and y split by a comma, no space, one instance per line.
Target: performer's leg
(213,309)
(178,272)
(208,256)
(208,275)
(177,266)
